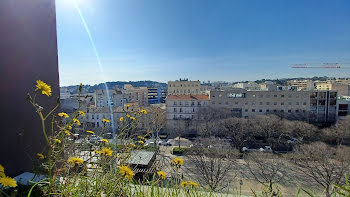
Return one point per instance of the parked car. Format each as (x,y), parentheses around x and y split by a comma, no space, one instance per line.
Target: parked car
(93,138)
(293,141)
(108,136)
(164,143)
(266,149)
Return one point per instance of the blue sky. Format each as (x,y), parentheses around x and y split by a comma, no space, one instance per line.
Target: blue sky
(229,40)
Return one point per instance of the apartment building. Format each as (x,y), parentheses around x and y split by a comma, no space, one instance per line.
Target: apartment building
(114,98)
(183,113)
(247,86)
(185,106)
(315,106)
(302,84)
(343,88)
(184,87)
(156,95)
(136,94)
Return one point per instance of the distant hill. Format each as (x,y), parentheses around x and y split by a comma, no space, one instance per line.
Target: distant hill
(112,85)
(284,81)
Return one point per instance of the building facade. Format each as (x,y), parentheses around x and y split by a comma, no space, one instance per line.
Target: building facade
(314,106)
(184,87)
(136,94)
(115,98)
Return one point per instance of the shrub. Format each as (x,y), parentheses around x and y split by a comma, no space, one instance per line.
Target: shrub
(179,151)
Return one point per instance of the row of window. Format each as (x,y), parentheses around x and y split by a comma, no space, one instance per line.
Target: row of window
(184,85)
(275,110)
(261,103)
(187,103)
(180,110)
(184,91)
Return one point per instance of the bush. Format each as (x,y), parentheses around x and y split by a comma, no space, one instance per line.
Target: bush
(179,151)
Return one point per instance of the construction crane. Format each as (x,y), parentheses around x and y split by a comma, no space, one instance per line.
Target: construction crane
(323,65)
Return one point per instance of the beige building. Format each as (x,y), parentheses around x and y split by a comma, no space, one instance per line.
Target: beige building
(184,113)
(302,84)
(315,106)
(136,94)
(114,98)
(341,87)
(184,87)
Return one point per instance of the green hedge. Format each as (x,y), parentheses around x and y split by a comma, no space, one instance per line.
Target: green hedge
(179,151)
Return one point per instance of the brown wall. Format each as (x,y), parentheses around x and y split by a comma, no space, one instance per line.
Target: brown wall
(28,51)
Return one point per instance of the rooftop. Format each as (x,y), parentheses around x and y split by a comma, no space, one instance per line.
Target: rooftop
(188,97)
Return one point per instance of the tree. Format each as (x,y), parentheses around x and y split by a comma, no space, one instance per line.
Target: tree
(336,134)
(210,118)
(238,129)
(270,127)
(211,164)
(324,164)
(266,168)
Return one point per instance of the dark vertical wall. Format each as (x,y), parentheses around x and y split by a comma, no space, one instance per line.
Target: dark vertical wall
(28,51)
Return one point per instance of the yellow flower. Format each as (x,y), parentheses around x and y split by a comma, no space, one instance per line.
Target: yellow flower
(177,162)
(67,132)
(127,105)
(188,183)
(126,172)
(161,174)
(45,89)
(41,156)
(121,118)
(143,111)
(76,121)
(127,115)
(105,140)
(140,142)
(105,151)
(69,127)
(105,120)
(81,113)
(135,112)
(91,132)
(75,160)
(132,118)
(133,145)
(62,114)
(2,171)
(8,181)
(116,156)
(141,137)
(58,141)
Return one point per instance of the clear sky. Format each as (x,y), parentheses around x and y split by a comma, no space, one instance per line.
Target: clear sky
(229,40)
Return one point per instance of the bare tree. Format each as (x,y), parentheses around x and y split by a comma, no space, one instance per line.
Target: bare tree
(238,129)
(336,134)
(267,169)
(324,164)
(210,118)
(270,127)
(211,165)
(302,130)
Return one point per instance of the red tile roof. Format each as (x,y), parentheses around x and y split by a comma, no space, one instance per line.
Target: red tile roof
(188,97)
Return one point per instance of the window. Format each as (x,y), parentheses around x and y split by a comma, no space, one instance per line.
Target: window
(297,103)
(98,124)
(289,103)
(260,103)
(274,110)
(267,111)
(261,95)
(175,110)
(236,103)
(226,103)
(289,111)
(282,96)
(304,103)
(253,103)
(93,116)
(246,103)
(253,110)
(282,103)
(290,96)
(213,103)
(192,109)
(275,103)
(268,96)
(175,103)
(180,109)
(260,110)
(267,103)
(97,116)
(282,110)
(297,110)
(246,110)
(275,95)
